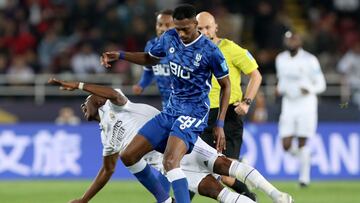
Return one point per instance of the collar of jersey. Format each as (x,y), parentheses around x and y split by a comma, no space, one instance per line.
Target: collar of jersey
(300,52)
(193,42)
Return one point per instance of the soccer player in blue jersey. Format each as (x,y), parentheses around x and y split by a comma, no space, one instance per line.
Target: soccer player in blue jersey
(192,58)
(160,72)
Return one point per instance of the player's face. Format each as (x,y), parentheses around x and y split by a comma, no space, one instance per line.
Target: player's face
(163,23)
(187,29)
(90,107)
(293,43)
(207,27)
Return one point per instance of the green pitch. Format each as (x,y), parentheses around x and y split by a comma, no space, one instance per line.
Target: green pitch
(133,192)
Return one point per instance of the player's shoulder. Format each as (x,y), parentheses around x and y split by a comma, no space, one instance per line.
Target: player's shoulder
(282,55)
(151,43)
(307,54)
(170,33)
(232,45)
(207,45)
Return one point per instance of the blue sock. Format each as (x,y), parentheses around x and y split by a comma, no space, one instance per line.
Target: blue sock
(179,185)
(181,191)
(163,180)
(151,182)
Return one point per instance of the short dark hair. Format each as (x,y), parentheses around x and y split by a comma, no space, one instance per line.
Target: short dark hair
(167,12)
(184,11)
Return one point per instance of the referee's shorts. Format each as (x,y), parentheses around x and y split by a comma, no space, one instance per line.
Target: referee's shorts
(233,129)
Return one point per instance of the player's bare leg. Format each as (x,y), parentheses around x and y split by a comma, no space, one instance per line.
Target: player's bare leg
(210,187)
(136,149)
(250,176)
(302,152)
(174,152)
(287,143)
(132,159)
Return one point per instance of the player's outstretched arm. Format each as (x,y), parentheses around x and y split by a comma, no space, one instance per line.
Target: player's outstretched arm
(224,103)
(104,175)
(140,58)
(99,90)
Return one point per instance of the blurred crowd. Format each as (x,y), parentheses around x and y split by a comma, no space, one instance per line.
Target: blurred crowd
(61,36)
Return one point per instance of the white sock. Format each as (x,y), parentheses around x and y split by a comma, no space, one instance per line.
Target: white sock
(305,164)
(175,174)
(168,200)
(228,196)
(252,178)
(137,167)
(294,150)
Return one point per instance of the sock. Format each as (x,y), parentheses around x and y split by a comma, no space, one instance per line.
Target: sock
(168,200)
(242,189)
(252,178)
(142,171)
(179,184)
(305,165)
(163,180)
(227,195)
(294,150)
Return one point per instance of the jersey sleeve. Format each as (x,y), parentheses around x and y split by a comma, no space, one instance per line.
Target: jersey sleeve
(147,48)
(147,77)
(318,84)
(218,64)
(158,49)
(245,61)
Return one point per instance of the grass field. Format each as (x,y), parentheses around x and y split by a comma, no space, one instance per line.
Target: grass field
(133,192)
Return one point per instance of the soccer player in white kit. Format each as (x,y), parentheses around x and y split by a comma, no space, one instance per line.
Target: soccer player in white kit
(300,80)
(120,119)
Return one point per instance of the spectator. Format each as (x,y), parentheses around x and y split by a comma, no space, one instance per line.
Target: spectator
(86,60)
(67,117)
(20,72)
(349,65)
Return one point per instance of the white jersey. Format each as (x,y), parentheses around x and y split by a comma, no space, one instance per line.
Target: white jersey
(298,111)
(120,124)
(301,71)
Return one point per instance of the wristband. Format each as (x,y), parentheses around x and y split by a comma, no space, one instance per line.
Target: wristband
(81,86)
(121,55)
(219,123)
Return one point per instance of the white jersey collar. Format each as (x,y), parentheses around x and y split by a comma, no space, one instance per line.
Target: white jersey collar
(193,42)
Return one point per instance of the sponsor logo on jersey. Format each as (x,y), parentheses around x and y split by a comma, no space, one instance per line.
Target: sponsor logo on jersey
(197,60)
(179,71)
(172,50)
(161,70)
(118,134)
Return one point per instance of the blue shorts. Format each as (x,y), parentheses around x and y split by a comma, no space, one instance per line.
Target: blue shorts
(185,127)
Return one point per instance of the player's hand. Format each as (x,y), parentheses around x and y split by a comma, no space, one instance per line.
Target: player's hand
(137,89)
(241,108)
(304,91)
(77,201)
(69,86)
(219,137)
(109,57)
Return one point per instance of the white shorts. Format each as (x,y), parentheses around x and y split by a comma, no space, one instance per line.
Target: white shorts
(297,123)
(155,159)
(199,163)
